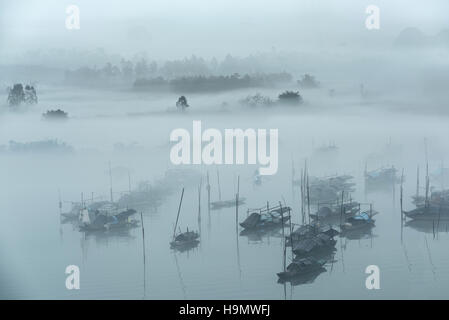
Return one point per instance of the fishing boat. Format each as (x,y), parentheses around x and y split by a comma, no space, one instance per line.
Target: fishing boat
(185,240)
(97,221)
(102,207)
(227,203)
(309,231)
(317,245)
(267,218)
(302,268)
(436,198)
(359,222)
(336,211)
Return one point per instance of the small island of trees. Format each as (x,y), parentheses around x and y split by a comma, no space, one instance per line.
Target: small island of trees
(290,97)
(55,115)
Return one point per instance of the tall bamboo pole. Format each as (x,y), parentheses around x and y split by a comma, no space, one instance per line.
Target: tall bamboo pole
(177,216)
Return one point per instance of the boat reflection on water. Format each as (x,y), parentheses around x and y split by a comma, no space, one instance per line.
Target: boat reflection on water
(428,226)
(259,235)
(104,239)
(359,234)
(73,222)
(119,233)
(302,271)
(326,254)
(304,278)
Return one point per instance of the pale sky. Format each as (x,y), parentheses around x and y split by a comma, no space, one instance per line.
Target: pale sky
(178,28)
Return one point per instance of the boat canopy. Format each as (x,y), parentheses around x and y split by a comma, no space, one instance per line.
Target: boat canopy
(362,216)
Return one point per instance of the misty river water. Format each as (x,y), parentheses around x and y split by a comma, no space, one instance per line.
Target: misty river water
(35,247)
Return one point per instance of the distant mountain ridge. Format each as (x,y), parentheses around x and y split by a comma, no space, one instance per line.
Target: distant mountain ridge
(415,37)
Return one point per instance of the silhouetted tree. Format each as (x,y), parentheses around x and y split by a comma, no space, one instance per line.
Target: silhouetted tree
(16,95)
(141,69)
(308,81)
(152,67)
(30,95)
(127,68)
(182,103)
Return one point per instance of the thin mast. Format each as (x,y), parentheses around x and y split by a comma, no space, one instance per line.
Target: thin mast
(237,204)
(110,181)
(417,182)
(143,248)
(60,201)
(179,210)
(219,188)
(199,206)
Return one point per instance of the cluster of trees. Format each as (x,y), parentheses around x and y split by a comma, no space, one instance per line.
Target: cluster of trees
(285,98)
(201,83)
(257,100)
(128,71)
(188,67)
(110,73)
(158,82)
(19,94)
(53,146)
(308,82)
(267,62)
(140,67)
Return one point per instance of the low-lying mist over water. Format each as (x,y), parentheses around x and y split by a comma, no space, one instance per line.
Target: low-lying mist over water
(86,114)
